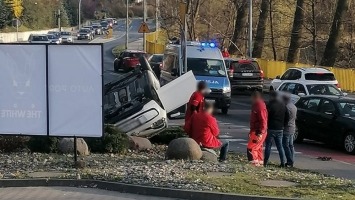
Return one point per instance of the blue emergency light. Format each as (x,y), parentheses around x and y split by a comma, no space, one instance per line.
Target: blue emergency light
(208,44)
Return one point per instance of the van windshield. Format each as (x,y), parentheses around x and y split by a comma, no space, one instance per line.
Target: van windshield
(206,67)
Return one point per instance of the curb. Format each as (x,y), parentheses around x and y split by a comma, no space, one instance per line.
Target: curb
(127,188)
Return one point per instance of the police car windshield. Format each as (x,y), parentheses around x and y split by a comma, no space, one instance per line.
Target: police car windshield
(206,67)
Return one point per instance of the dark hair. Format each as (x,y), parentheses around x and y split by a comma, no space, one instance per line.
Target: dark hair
(201,85)
(273,94)
(256,94)
(286,98)
(208,105)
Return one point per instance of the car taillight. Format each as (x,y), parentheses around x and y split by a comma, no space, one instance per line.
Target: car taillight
(161,65)
(262,74)
(231,72)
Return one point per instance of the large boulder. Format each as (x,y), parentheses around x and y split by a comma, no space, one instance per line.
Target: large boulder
(139,144)
(66,146)
(208,156)
(184,149)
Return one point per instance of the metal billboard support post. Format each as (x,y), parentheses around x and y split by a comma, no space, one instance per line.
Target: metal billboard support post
(127,24)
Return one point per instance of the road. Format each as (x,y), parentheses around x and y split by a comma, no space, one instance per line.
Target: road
(67,193)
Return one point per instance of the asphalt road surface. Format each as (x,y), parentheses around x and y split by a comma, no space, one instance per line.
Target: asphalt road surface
(68,193)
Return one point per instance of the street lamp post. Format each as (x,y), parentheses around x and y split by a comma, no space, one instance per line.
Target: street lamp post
(127,24)
(79,14)
(144,21)
(250,28)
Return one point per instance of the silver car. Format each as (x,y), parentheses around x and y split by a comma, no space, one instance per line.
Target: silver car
(38,39)
(66,37)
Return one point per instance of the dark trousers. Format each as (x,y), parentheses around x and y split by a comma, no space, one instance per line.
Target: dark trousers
(224,150)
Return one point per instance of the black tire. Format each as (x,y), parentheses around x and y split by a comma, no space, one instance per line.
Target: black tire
(298,136)
(349,143)
(225,111)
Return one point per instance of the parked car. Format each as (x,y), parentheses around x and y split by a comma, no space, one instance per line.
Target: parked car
(127,60)
(298,89)
(156,62)
(85,33)
(35,38)
(328,119)
(54,39)
(66,37)
(132,103)
(91,28)
(305,75)
(98,29)
(245,74)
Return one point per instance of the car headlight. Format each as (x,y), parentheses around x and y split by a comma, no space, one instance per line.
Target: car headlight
(78,35)
(57,42)
(226,89)
(88,35)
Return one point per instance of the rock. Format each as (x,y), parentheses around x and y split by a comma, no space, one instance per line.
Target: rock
(209,157)
(66,146)
(139,144)
(184,148)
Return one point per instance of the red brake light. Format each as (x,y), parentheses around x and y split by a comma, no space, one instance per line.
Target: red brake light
(245,61)
(262,74)
(231,72)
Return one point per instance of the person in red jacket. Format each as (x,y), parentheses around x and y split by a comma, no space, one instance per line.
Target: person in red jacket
(196,101)
(203,128)
(225,53)
(258,130)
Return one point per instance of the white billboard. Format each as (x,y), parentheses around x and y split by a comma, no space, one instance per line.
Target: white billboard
(75,90)
(73,74)
(23,89)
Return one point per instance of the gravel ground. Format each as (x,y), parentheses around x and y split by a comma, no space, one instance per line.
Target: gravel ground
(144,168)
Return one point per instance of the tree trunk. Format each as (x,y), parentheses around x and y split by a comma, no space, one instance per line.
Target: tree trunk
(272,31)
(239,25)
(260,32)
(331,50)
(296,33)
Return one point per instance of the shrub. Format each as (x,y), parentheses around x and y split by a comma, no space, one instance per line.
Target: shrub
(13,143)
(113,142)
(43,144)
(168,135)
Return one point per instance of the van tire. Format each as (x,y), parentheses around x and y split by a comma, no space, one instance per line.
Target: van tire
(225,111)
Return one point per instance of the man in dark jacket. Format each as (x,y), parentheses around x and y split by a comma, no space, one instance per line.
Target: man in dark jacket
(277,118)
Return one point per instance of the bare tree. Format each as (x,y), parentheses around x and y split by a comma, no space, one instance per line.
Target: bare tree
(296,33)
(240,22)
(272,30)
(332,47)
(260,32)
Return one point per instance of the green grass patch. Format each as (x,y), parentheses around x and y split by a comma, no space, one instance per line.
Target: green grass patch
(246,180)
(118,49)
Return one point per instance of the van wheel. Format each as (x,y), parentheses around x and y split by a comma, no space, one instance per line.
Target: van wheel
(224,111)
(349,143)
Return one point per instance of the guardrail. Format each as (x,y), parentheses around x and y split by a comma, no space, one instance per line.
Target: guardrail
(346,77)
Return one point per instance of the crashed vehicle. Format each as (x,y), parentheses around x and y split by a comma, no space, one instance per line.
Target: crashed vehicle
(132,103)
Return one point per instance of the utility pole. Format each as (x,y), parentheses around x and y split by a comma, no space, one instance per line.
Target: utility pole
(58,17)
(79,14)
(157,11)
(144,21)
(250,28)
(17,23)
(127,24)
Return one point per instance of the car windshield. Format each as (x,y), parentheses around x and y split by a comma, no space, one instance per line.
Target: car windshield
(51,36)
(84,31)
(206,67)
(39,38)
(347,109)
(95,26)
(104,23)
(320,76)
(245,65)
(157,58)
(324,90)
(65,33)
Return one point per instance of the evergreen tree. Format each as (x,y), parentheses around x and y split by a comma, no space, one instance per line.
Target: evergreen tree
(4,14)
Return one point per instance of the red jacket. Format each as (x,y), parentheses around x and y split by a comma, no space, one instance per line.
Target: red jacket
(225,54)
(203,128)
(196,99)
(258,118)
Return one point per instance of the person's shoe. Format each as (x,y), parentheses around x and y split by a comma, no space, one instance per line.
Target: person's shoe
(289,165)
(282,166)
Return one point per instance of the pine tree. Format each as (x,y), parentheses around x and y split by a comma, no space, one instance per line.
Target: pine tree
(4,14)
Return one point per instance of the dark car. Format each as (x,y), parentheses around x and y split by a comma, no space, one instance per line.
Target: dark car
(156,62)
(127,60)
(327,119)
(85,33)
(245,74)
(105,25)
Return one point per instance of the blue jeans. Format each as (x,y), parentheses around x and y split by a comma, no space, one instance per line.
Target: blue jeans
(275,135)
(224,150)
(287,143)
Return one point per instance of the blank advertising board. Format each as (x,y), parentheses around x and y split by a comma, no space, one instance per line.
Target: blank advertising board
(53,90)
(75,90)
(23,89)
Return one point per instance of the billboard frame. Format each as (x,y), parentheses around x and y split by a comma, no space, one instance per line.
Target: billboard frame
(47,86)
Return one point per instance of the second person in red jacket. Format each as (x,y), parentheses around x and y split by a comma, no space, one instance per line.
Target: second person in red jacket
(196,101)
(203,128)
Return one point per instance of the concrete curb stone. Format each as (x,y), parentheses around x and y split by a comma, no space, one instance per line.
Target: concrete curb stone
(127,188)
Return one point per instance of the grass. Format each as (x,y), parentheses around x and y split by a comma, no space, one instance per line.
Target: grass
(246,180)
(117,50)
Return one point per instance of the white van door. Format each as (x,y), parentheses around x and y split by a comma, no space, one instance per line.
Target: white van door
(178,92)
